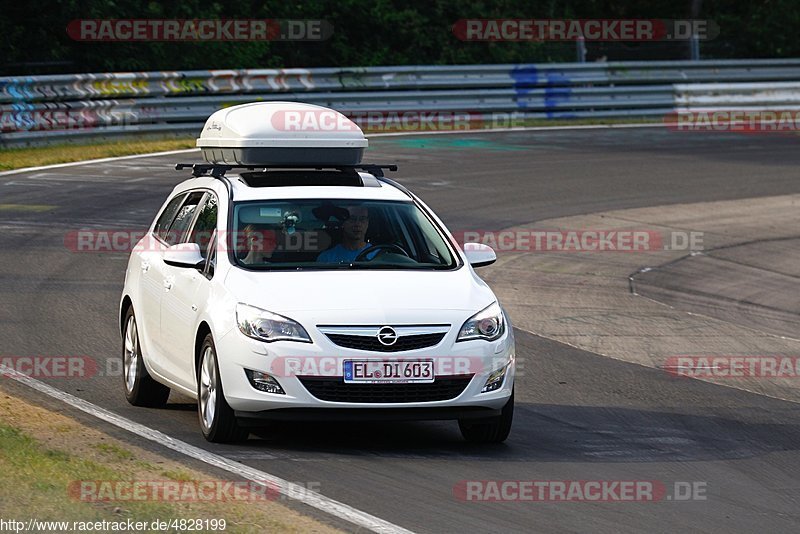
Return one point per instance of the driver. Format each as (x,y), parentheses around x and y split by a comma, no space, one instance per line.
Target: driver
(354,231)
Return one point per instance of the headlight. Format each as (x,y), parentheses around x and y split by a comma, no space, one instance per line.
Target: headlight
(267,326)
(487,324)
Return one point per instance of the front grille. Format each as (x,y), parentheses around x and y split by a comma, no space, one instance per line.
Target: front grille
(335,390)
(371,343)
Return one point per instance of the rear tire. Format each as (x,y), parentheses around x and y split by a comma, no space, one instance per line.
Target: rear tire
(140,388)
(217,419)
(490,429)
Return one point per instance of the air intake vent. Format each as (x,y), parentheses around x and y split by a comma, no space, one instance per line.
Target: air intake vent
(335,390)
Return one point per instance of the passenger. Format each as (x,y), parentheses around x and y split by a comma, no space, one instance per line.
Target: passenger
(259,245)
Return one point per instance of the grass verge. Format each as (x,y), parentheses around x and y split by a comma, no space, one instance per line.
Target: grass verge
(17,158)
(43,455)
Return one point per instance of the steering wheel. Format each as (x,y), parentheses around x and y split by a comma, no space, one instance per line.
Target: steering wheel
(381,247)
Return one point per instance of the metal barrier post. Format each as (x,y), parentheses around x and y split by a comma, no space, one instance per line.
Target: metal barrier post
(694,45)
(581,42)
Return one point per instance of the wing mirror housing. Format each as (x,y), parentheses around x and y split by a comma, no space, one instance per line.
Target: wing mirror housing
(184,255)
(479,255)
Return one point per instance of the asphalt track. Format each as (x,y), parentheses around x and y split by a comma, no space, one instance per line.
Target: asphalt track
(580,416)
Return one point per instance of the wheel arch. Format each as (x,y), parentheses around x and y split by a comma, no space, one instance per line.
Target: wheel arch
(203,330)
(126,305)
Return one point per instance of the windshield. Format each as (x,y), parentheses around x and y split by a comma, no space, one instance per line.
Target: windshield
(337,234)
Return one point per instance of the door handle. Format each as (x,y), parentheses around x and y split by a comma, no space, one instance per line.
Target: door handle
(168,283)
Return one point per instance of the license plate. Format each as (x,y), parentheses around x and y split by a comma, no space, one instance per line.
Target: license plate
(381,371)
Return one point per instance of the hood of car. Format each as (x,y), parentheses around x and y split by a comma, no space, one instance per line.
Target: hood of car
(390,293)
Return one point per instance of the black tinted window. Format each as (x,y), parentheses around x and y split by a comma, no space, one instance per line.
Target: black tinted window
(184,218)
(205,224)
(167,216)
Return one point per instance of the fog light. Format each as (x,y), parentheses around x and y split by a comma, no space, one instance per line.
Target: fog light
(264,382)
(495,380)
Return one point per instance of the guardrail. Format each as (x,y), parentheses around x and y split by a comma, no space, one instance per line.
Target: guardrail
(46,108)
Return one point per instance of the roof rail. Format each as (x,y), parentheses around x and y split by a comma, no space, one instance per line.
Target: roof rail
(396,185)
(375,169)
(216,170)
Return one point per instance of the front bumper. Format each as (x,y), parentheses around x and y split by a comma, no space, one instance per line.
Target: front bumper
(285,361)
(365,414)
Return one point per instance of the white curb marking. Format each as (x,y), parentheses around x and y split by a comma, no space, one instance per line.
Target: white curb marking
(289,489)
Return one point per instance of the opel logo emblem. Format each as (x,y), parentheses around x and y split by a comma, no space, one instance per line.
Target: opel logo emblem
(387,336)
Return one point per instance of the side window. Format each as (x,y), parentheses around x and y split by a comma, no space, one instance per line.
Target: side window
(167,216)
(205,223)
(183,219)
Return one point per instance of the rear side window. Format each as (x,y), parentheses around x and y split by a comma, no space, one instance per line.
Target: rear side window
(183,219)
(167,216)
(205,224)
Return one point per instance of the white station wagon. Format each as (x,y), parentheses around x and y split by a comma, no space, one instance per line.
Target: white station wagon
(285,280)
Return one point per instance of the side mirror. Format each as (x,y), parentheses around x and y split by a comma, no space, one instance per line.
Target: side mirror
(479,255)
(184,255)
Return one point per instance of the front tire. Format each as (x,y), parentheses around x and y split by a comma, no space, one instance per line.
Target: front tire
(217,420)
(490,429)
(140,388)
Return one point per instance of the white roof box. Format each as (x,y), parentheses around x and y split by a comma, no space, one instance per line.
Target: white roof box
(281,133)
